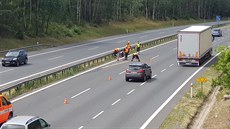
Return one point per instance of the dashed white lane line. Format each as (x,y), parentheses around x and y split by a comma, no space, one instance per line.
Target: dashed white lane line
(130,91)
(98,115)
(80,93)
(143,36)
(55,58)
(6,70)
(81,127)
(116,102)
(171,65)
(154,76)
(142,83)
(93,48)
(154,57)
(122,72)
(163,70)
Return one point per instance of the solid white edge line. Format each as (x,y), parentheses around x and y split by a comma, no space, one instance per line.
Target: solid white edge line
(81,127)
(116,102)
(17,99)
(175,92)
(130,91)
(49,86)
(163,70)
(98,115)
(80,93)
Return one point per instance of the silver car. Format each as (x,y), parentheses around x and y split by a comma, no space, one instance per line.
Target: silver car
(139,71)
(26,122)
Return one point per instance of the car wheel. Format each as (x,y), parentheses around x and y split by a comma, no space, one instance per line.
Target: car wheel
(26,61)
(3,64)
(10,115)
(127,79)
(17,63)
(144,78)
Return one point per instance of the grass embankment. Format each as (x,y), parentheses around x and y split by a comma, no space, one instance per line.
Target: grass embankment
(188,107)
(62,34)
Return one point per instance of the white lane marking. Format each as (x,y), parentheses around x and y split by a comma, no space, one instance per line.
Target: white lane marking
(62,49)
(93,48)
(130,91)
(163,70)
(162,32)
(49,86)
(116,101)
(143,36)
(154,76)
(55,58)
(142,83)
(60,66)
(175,48)
(98,115)
(174,93)
(171,65)
(115,64)
(154,57)
(122,72)
(81,127)
(6,70)
(80,93)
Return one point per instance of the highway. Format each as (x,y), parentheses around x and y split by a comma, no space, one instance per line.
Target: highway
(95,102)
(45,60)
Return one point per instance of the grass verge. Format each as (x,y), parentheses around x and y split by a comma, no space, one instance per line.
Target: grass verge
(184,112)
(89,32)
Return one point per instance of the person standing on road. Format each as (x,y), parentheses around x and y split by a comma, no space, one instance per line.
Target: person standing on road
(126,53)
(138,47)
(135,56)
(128,45)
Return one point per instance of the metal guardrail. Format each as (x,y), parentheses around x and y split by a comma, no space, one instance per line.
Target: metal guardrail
(70,68)
(73,67)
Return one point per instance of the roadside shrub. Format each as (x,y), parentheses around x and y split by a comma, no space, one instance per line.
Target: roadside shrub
(19,35)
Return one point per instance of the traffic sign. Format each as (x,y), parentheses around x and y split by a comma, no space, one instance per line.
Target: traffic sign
(201,79)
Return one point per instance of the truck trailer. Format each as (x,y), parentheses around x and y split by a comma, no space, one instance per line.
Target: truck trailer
(194,45)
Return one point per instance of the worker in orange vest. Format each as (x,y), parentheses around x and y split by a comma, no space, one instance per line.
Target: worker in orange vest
(126,53)
(128,45)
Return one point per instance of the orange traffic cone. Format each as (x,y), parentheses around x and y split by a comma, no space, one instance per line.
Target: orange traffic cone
(110,78)
(65,101)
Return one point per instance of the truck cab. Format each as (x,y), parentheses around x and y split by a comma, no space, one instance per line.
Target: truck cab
(6,109)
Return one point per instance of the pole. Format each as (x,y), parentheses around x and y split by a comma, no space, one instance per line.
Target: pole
(191,88)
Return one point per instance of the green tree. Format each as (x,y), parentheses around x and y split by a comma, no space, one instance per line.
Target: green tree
(223,66)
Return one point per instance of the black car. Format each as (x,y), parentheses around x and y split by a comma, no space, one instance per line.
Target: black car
(15,57)
(138,70)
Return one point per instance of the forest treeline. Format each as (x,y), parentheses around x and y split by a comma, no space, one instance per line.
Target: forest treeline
(35,17)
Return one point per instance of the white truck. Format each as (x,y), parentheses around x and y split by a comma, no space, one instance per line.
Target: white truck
(194,45)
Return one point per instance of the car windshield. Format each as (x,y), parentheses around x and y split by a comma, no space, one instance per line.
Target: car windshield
(13,126)
(134,67)
(14,54)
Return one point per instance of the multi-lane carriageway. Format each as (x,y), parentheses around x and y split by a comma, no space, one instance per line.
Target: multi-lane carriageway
(96,102)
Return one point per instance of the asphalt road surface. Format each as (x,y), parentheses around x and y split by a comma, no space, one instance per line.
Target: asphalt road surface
(43,61)
(95,102)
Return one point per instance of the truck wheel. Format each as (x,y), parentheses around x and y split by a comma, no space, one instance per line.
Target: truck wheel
(10,115)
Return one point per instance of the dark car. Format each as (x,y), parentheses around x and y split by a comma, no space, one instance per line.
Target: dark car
(138,71)
(15,57)
(216,32)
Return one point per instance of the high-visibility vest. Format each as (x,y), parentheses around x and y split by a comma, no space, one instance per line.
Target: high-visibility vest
(138,45)
(126,50)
